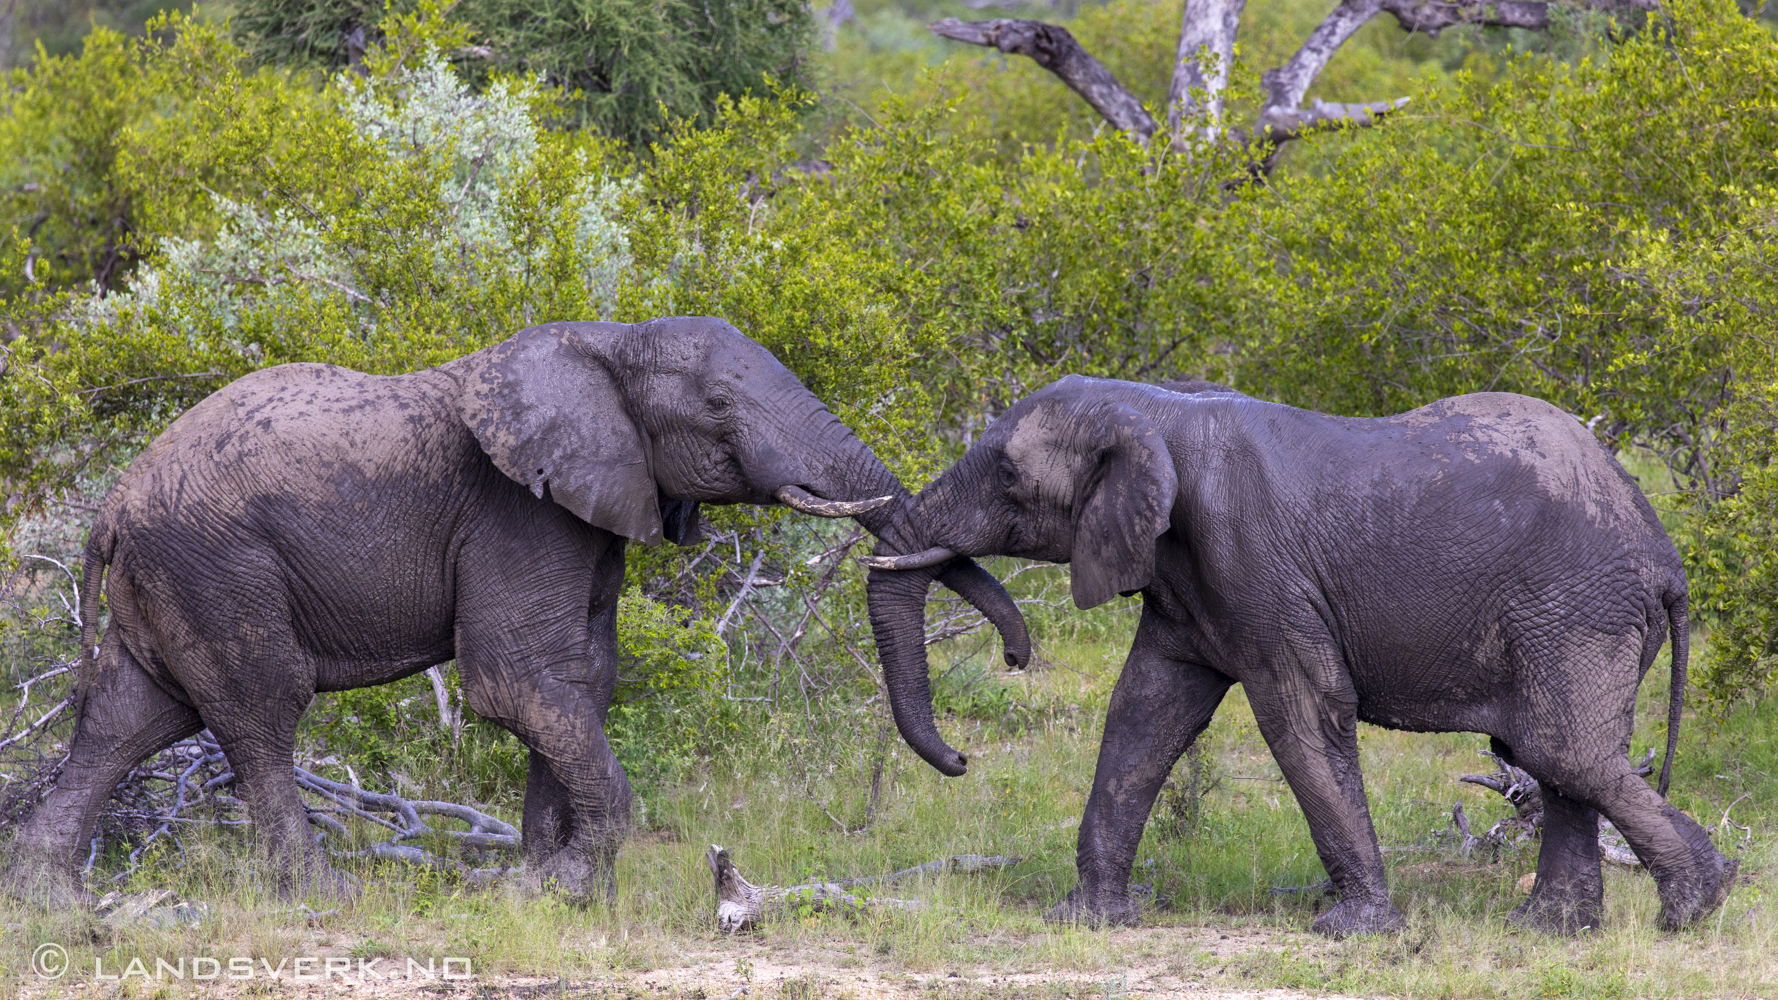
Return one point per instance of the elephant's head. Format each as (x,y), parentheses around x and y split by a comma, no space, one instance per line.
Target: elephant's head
(631,426)
(1073,473)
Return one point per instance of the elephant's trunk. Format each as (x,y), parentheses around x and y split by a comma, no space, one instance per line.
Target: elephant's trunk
(851,471)
(977,586)
(898,618)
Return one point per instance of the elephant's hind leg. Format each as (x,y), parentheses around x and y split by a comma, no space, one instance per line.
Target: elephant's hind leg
(1569,893)
(258,693)
(1575,743)
(1691,875)
(547,824)
(123,717)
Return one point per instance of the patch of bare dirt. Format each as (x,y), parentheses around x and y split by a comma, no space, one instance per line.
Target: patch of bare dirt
(1162,963)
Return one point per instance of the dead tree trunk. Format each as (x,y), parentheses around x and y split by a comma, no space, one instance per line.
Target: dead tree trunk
(1205,55)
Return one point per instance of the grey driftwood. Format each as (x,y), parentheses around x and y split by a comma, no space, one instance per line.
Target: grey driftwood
(740,904)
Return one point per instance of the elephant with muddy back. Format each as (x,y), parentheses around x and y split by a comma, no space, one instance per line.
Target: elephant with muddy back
(1480,564)
(310,528)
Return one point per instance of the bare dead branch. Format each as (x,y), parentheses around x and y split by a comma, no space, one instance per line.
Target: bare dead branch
(1054,48)
(39,724)
(1526,796)
(1278,125)
(741,904)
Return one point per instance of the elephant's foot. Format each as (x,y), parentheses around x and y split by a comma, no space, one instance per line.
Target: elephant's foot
(1561,913)
(583,876)
(1685,901)
(1098,910)
(1350,917)
(1568,894)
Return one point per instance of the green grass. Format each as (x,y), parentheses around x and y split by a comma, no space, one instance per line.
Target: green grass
(1032,743)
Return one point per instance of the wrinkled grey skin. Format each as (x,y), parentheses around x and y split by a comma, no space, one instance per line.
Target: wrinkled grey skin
(311,528)
(1477,565)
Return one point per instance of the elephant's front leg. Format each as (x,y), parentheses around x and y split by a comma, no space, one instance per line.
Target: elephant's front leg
(577,803)
(1307,711)
(1158,708)
(548,822)
(537,653)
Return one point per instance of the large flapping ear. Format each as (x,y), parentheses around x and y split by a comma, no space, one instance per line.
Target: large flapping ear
(547,410)
(1122,506)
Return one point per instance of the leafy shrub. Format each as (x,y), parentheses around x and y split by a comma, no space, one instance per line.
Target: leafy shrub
(626,67)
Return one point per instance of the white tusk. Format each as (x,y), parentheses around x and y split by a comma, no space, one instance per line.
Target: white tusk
(919,560)
(797,498)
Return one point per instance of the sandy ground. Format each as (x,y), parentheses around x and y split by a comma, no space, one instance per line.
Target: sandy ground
(738,972)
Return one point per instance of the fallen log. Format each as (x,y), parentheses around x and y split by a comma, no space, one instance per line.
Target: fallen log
(740,904)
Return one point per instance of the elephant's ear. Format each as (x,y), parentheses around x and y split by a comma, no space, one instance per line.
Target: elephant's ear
(547,410)
(1123,505)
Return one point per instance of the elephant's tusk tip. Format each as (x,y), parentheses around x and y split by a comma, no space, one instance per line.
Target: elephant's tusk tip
(918,560)
(799,499)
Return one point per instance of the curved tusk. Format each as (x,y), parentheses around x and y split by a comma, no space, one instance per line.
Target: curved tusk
(797,498)
(919,560)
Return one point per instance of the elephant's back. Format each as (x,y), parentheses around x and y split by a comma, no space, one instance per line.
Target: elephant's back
(307,501)
(1502,438)
(320,432)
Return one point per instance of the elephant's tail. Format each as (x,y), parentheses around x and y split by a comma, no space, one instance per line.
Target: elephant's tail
(100,545)
(1679,632)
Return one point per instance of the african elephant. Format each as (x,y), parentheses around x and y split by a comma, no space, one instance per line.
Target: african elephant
(310,528)
(1480,564)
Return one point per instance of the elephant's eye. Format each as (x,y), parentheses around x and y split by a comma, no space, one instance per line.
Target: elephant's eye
(719,405)
(1009,475)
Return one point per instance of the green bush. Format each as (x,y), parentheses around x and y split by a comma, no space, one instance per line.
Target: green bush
(626,67)
(1595,232)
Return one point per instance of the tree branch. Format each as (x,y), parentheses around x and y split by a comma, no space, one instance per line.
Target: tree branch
(1281,125)
(1053,48)
(1430,16)
(1286,85)
(1207,27)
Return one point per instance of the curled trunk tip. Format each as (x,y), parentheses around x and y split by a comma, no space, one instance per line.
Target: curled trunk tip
(897,614)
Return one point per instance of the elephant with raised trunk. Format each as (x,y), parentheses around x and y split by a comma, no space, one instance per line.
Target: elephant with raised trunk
(1481,565)
(310,528)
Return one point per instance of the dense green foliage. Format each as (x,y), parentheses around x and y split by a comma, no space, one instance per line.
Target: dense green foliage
(1587,223)
(626,67)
